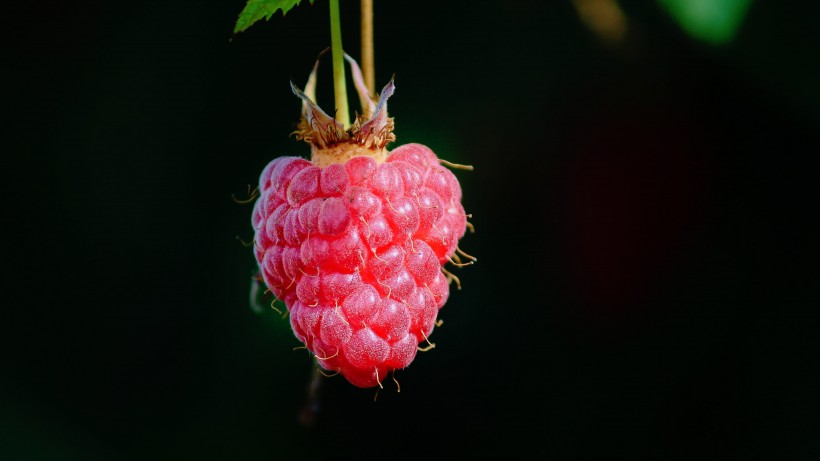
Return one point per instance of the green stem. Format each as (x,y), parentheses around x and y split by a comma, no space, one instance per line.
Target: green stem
(339,84)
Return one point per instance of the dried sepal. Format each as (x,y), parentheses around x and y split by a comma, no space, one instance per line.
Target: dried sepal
(330,141)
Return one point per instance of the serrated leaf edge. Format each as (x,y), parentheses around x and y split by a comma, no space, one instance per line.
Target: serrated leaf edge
(256,10)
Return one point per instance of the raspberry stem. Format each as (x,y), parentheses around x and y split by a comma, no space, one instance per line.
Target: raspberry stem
(368,65)
(339,84)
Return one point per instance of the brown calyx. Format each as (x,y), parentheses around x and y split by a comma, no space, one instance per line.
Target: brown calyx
(330,142)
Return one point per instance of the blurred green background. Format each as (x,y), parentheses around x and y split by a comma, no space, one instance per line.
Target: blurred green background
(645,200)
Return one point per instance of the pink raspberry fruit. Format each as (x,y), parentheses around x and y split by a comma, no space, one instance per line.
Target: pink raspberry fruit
(354,241)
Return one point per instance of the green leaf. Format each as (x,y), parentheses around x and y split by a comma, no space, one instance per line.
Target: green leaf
(255,10)
(713,21)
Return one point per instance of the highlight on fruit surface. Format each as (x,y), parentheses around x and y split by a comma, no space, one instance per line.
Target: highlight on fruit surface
(354,240)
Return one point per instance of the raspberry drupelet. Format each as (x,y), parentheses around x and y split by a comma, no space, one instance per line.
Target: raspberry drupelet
(354,241)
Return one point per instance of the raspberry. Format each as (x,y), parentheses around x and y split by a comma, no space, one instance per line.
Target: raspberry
(354,241)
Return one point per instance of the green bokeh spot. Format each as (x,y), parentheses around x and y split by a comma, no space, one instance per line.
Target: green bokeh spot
(712,21)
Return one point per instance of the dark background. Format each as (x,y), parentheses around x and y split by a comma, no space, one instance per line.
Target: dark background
(646,216)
